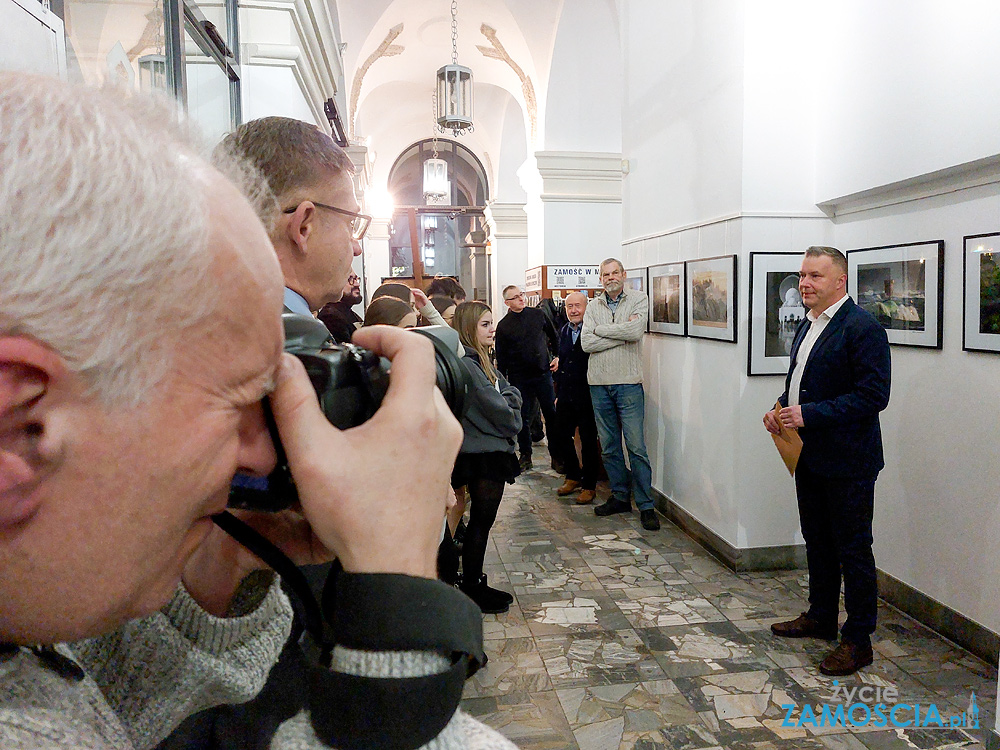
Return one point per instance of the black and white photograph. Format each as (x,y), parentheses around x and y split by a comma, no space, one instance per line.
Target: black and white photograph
(666,299)
(711,298)
(776,310)
(900,285)
(981,293)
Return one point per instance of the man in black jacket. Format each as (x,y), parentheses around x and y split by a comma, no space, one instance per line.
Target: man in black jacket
(574,408)
(339,317)
(837,383)
(524,342)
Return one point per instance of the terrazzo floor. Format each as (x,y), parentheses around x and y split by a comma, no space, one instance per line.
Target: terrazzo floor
(620,638)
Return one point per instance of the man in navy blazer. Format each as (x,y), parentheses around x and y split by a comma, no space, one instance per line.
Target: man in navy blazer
(574,408)
(837,383)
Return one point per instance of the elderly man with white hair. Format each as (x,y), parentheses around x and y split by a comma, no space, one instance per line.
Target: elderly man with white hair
(139,334)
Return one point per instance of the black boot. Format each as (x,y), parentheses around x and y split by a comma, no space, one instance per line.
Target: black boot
(489,600)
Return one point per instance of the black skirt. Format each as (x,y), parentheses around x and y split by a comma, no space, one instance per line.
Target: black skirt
(500,466)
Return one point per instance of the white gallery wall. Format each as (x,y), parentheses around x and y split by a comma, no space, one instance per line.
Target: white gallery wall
(739,118)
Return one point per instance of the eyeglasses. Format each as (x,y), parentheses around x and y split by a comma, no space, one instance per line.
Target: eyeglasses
(511,299)
(359,222)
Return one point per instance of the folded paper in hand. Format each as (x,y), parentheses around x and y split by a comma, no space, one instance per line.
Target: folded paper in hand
(788,443)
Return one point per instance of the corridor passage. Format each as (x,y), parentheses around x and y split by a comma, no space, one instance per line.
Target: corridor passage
(623,638)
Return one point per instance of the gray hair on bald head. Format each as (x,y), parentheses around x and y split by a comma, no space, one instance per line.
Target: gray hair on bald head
(838,258)
(103,240)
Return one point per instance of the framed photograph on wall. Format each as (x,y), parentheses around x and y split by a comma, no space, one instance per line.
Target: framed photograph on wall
(981,293)
(776,310)
(711,298)
(902,286)
(666,299)
(635,278)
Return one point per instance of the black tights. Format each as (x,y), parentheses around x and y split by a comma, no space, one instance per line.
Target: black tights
(484,498)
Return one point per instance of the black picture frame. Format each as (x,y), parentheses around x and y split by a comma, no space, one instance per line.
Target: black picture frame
(974,338)
(706,316)
(772,317)
(912,315)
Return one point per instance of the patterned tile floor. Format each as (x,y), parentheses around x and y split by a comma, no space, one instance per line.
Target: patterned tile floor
(621,638)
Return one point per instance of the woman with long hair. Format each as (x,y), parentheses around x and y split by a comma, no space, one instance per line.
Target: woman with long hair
(487,460)
(389,311)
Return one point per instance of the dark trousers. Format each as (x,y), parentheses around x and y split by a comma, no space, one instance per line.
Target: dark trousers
(836,518)
(531,388)
(571,415)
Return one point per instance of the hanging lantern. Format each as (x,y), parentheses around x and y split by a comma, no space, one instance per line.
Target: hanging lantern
(454,88)
(454,99)
(436,178)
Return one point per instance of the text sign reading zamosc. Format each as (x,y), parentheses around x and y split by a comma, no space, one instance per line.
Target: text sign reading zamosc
(573,277)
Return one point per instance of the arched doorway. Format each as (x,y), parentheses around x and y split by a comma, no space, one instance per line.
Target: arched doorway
(450,232)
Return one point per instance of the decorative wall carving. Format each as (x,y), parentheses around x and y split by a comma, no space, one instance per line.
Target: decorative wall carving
(385,49)
(497,52)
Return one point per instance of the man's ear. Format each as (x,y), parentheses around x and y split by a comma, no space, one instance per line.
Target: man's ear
(28,370)
(300,225)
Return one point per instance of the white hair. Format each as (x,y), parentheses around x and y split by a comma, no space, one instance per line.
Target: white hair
(103,234)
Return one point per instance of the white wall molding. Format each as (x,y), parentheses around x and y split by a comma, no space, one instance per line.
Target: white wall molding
(723,219)
(507,220)
(312,53)
(580,177)
(960,177)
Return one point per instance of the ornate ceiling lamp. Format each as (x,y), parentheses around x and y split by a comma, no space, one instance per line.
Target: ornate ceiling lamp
(437,189)
(454,88)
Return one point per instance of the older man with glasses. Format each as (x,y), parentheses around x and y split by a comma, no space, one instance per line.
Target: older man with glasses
(525,343)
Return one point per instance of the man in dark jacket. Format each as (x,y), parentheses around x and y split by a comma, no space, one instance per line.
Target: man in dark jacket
(524,342)
(339,317)
(837,383)
(573,406)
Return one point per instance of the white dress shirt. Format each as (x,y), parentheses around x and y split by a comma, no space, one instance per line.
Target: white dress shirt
(817,324)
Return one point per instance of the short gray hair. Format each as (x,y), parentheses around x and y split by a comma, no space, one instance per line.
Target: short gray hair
(608,261)
(103,241)
(838,258)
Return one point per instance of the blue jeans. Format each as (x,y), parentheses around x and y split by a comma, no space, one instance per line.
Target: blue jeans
(621,410)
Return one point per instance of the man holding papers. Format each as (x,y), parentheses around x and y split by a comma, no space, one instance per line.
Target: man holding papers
(837,383)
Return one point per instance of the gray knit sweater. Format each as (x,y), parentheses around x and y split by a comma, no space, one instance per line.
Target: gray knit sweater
(613,340)
(145,678)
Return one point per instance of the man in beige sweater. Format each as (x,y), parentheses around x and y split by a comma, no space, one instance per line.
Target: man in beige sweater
(612,330)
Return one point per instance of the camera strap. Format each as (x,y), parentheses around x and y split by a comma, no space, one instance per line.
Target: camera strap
(377,612)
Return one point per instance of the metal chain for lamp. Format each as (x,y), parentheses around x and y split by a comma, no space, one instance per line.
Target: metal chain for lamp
(434,137)
(455,113)
(454,32)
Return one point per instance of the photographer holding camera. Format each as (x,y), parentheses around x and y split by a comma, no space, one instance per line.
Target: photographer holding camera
(121,428)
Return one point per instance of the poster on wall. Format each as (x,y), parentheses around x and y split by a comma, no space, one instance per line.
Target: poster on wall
(666,299)
(711,298)
(572,277)
(981,293)
(776,310)
(901,285)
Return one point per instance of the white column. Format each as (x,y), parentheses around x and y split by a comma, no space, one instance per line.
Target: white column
(376,256)
(508,224)
(581,206)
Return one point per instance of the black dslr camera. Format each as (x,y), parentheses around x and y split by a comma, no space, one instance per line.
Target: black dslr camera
(350,383)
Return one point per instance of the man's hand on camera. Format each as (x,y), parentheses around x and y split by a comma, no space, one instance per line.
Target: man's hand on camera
(374,494)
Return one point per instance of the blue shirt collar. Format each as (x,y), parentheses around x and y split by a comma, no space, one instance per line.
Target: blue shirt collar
(296,302)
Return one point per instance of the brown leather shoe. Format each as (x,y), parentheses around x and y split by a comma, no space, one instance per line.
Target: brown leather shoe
(570,485)
(587,496)
(846,659)
(804,626)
